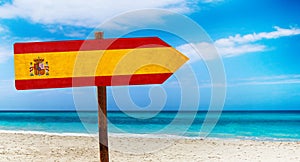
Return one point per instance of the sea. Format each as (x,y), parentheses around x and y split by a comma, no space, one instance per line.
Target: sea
(254,125)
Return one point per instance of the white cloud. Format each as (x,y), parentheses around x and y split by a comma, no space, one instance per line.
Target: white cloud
(234,45)
(2,29)
(5,53)
(140,18)
(81,13)
(267,80)
(237,45)
(5,50)
(253,81)
(235,50)
(68,31)
(280,32)
(211,1)
(7,87)
(195,52)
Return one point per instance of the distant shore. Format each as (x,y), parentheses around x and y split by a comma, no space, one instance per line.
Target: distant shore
(34,146)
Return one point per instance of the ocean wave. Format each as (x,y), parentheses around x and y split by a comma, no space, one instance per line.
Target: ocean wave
(164,136)
(219,137)
(47,133)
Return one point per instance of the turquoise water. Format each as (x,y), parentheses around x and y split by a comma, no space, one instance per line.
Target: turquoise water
(283,125)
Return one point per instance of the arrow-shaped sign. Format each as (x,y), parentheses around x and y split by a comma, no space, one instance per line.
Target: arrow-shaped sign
(100,62)
(108,62)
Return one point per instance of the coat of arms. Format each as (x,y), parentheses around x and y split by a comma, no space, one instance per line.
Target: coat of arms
(38,67)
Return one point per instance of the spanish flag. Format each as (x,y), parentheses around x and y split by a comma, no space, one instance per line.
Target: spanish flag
(101,62)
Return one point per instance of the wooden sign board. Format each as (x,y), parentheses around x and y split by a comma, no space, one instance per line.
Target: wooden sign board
(122,61)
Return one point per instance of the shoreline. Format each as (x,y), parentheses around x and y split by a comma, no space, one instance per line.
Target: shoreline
(46,133)
(17,146)
(167,136)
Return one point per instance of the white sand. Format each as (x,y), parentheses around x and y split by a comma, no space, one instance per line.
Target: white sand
(45,147)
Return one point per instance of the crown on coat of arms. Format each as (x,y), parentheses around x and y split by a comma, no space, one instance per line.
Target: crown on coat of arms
(38,59)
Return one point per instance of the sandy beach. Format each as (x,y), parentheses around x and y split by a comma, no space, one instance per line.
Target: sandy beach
(49,147)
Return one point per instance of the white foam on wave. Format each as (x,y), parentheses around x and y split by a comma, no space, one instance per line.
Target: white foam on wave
(47,133)
(164,136)
(237,138)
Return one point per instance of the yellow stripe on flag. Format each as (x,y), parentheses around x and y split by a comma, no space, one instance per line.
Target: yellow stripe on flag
(111,62)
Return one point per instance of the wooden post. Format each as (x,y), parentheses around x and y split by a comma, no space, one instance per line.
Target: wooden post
(102,117)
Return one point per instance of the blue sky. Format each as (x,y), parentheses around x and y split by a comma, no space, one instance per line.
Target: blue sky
(258,42)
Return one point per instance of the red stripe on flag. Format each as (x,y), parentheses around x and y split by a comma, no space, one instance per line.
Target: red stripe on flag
(87,45)
(137,79)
